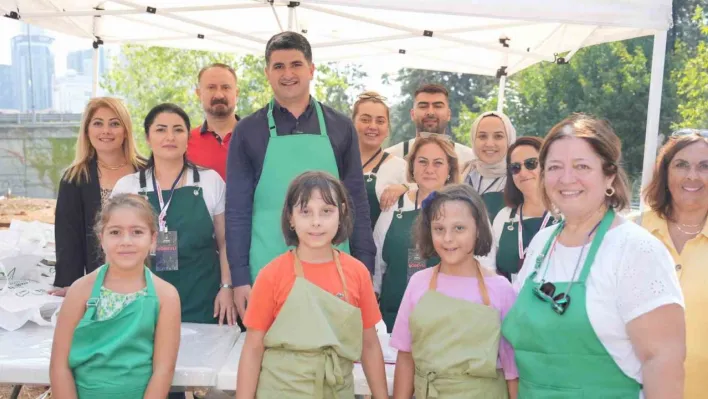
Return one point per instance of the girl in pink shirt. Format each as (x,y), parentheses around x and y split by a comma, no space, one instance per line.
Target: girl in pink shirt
(448,327)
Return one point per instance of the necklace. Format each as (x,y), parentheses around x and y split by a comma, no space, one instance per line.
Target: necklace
(103,165)
(688,233)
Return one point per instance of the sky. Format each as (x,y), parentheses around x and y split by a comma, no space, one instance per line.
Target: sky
(65,44)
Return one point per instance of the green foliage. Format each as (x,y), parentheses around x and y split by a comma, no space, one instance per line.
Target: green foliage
(50,157)
(465,91)
(692,79)
(147,76)
(338,86)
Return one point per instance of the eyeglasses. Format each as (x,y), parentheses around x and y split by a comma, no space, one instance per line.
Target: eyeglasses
(371,96)
(444,137)
(688,132)
(529,163)
(546,292)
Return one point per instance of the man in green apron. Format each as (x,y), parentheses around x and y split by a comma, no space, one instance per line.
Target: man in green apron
(294,133)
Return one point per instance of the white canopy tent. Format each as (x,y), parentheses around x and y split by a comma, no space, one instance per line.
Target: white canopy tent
(484,37)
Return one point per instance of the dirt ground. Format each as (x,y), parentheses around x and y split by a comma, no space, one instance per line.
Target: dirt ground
(27,209)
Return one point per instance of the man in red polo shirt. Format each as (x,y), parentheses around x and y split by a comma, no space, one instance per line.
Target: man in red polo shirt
(218,93)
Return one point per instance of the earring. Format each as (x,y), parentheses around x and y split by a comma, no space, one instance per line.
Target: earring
(292,228)
(610,192)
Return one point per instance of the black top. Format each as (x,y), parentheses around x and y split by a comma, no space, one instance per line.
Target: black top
(245,163)
(77,248)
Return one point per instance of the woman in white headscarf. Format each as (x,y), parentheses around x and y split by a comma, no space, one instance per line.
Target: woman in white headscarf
(492,134)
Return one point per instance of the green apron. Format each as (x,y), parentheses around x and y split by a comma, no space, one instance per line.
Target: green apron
(313,343)
(560,356)
(454,357)
(112,359)
(509,261)
(396,245)
(286,157)
(494,203)
(199,275)
(374,206)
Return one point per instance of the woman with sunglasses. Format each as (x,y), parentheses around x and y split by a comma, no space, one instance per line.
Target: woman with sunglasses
(492,134)
(381,169)
(600,311)
(523,203)
(678,200)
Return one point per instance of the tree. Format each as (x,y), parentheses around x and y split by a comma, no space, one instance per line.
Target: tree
(147,76)
(692,79)
(465,91)
(337,85)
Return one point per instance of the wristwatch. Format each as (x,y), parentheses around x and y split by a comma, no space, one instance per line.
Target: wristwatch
(229,286)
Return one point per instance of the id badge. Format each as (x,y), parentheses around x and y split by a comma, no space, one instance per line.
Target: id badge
(166,252)
(415,263)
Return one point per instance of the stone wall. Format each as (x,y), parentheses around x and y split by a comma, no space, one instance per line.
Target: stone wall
(33,156)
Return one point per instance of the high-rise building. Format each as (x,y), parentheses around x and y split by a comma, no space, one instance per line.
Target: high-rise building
(82,61)
(32,70)
(6,98)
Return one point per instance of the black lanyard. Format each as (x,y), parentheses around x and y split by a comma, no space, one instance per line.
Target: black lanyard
(479,186)
(371,159)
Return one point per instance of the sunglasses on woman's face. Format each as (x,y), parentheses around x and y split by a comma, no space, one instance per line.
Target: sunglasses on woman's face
(529,164)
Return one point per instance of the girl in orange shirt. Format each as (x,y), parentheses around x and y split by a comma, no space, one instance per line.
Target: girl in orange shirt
(312,310)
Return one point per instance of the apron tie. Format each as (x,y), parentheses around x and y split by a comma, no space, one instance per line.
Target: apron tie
(430,377)
(331,372)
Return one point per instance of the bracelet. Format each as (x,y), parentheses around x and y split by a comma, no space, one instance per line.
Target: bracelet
(407,188)
(226,286)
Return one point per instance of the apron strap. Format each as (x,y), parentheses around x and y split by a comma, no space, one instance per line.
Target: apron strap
(320,117)
(406,144)
(480,283)
(149,283)
(143,182)
(376,168)
(299,272)
(599,236)
(92,303)
(318,109)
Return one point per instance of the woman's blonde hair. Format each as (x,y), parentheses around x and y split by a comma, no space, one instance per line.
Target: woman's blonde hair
(78,171)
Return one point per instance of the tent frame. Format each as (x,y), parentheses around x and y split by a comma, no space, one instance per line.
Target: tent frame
(657,66)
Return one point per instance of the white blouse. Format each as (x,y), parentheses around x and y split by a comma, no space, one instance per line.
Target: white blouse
(632,275)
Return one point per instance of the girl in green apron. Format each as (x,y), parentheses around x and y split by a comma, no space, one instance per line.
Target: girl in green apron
(189,201)
(381,169)
(448,329)
(523,203)
(492,134)
(312,312)
(118,330)
(432,164)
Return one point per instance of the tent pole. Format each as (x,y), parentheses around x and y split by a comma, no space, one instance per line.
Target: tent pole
(500,97)
(502,72)
(94,82)
(654,110)
(96,44)
(291,18)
